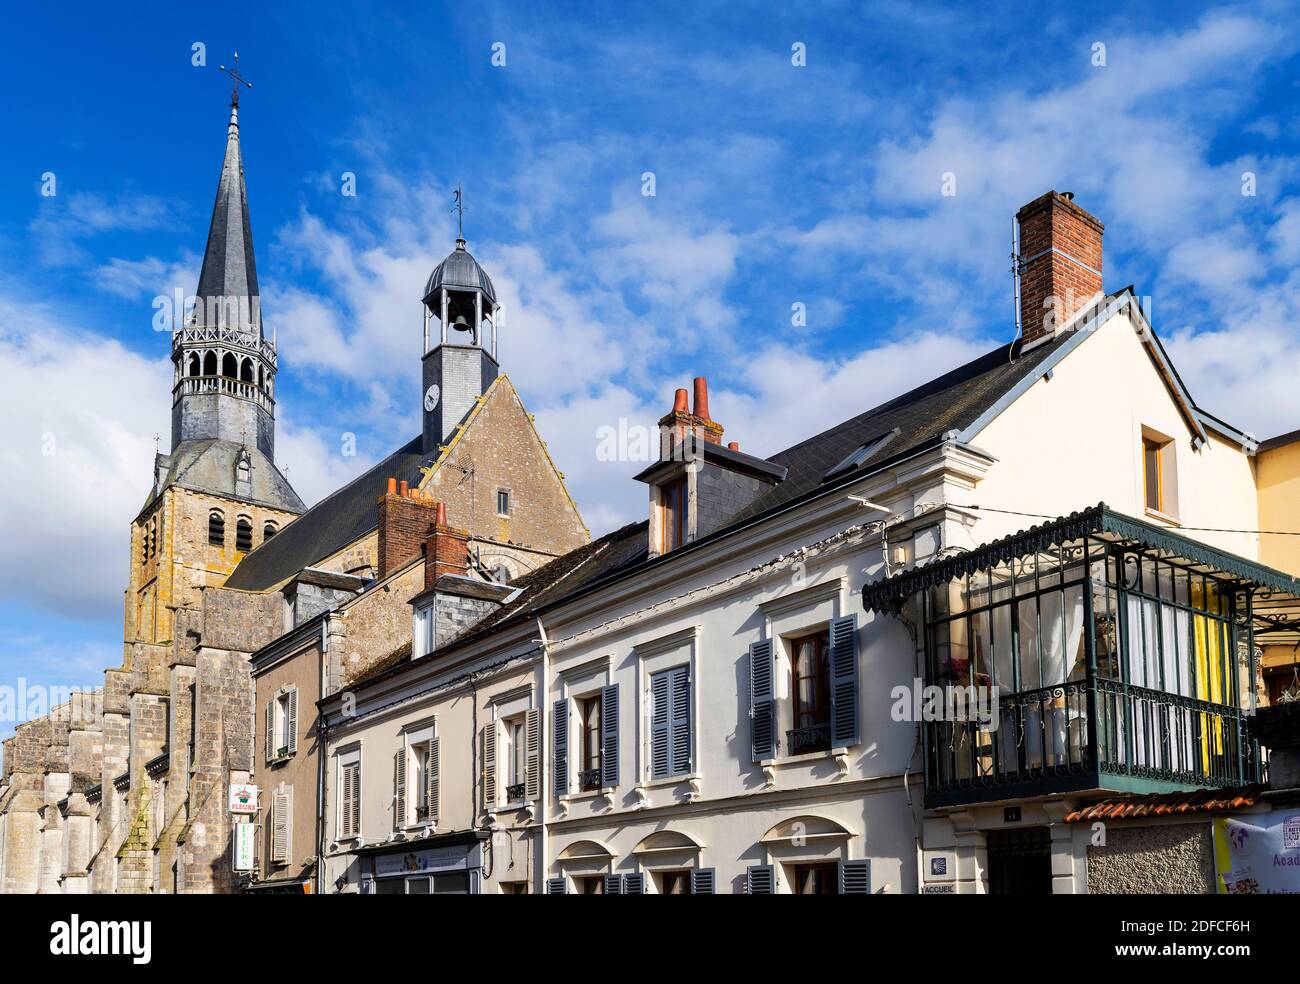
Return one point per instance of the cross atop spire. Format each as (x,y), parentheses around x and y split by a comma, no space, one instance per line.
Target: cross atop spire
(237,81)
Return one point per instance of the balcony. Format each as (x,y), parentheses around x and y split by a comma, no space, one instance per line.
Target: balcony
(423,813)
(515,793)
(588,780)
(1095,652)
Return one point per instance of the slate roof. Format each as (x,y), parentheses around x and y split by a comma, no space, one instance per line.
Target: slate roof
(229,269)
(460,269)
(209,466)
(922,416)
(327,527)
(919,418)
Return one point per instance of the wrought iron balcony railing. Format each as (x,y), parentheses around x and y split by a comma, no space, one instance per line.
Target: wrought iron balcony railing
(589,779)
(1075,736)
(515,792)
(423,813)
(814,738)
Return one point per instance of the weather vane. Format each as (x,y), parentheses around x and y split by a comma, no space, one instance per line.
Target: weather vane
(459,209)
(238,81)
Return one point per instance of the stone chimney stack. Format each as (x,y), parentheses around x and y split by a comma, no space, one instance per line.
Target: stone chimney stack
(1060,265)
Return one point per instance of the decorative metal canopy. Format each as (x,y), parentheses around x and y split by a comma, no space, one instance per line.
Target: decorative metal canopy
(1277,603)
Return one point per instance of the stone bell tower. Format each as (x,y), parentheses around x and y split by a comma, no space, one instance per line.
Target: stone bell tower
(461,315)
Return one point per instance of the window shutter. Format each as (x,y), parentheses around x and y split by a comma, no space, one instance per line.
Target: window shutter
(533,762)
(280,829)
(760,879)
(762,700)
(351,800)
(613,884)
(560,747)
(399,788)
(634,884)
(702,880)
(660,688)
(609,736)
(433,779)
(855,877)
(489,767)
(270,730)
(557,886)
(680,707)
(291,725)
(844,682)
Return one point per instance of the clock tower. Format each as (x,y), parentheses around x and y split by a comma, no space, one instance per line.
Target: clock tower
(461,315)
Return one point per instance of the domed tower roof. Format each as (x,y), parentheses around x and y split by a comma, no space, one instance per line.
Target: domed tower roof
(460,271)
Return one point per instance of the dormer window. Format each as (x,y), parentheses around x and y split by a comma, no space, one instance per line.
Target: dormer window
(673,514)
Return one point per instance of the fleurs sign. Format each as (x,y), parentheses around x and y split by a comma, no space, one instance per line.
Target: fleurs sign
(243,799)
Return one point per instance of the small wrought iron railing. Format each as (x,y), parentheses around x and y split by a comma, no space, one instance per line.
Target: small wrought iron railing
(422,813)
(515,792)
(813,738)
(589,779)
(1074,731)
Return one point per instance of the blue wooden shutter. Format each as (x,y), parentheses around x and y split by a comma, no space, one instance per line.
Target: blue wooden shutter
(613,884)
(844,682)
(702,881)
(634,884)
(680,728)
(855,877)
(609,736)
(560,747)
(762,704)
(659,725)
(760,879)
(557,886)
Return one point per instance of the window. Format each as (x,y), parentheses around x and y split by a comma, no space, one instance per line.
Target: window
(672,515)
(282,724)
(815,879)
(1159,479)
(244,534)
(516,758)
(503,502)
(268,531)
(216,528)
(592,885)
(589,777)
(674,882)
(670,722)
(514,888)
(349,819)
(426,781)
(810,693)
(422,639)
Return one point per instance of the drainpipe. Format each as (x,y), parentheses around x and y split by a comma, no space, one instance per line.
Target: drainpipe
(542,850)
(322,746)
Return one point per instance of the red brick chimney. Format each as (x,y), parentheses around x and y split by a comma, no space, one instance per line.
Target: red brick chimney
(445,549)
(1060,264)
(405,515)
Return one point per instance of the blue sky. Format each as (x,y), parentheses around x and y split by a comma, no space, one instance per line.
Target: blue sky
(775,185)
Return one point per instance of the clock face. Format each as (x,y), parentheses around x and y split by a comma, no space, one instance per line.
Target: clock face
(431,398)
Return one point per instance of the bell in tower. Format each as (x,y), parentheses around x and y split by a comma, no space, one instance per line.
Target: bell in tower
(461,314)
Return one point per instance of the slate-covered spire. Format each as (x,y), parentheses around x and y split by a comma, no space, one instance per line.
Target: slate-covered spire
(229,272)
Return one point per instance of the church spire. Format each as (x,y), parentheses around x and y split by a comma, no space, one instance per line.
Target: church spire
(227,294)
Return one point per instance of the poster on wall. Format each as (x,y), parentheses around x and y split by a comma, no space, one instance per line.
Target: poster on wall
(1258,853)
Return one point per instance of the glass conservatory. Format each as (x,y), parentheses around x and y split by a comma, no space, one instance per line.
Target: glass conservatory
(1105,652)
